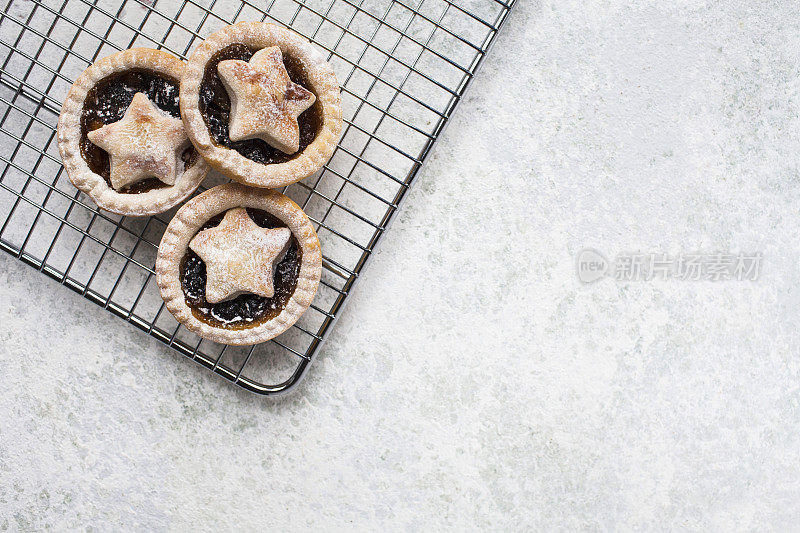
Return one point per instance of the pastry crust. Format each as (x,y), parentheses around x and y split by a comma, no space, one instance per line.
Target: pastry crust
(322,82)
(187,223)
(69,138)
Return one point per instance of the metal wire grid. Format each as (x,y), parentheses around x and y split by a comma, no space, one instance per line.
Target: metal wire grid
(403,64)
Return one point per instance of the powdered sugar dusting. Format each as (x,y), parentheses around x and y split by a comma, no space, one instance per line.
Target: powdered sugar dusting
(265,102)
(145,143)
(240,256)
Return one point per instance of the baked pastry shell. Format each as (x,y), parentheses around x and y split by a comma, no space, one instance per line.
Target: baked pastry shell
(69,138)
(188,221)
(322,82)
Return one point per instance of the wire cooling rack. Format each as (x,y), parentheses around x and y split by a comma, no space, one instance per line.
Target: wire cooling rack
(403,65)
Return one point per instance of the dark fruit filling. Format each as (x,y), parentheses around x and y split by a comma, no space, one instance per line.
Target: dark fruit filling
(246,310)
(107,102)
(215,106)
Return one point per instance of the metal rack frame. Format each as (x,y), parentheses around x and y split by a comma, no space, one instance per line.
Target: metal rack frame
(404,65)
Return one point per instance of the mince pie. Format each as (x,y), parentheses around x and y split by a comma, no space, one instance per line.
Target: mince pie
(261,104)
(239,265)
(121,137)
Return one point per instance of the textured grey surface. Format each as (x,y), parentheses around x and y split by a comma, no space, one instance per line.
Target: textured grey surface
(473,382)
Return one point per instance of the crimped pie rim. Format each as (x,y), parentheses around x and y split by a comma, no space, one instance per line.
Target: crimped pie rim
(69,136)
(188,221)
(323,84)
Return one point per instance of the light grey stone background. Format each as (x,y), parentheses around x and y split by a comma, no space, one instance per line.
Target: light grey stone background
(473,382)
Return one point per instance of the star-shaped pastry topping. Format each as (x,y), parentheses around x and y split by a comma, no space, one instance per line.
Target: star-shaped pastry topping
(144,144)
(265,102)
(240,256)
